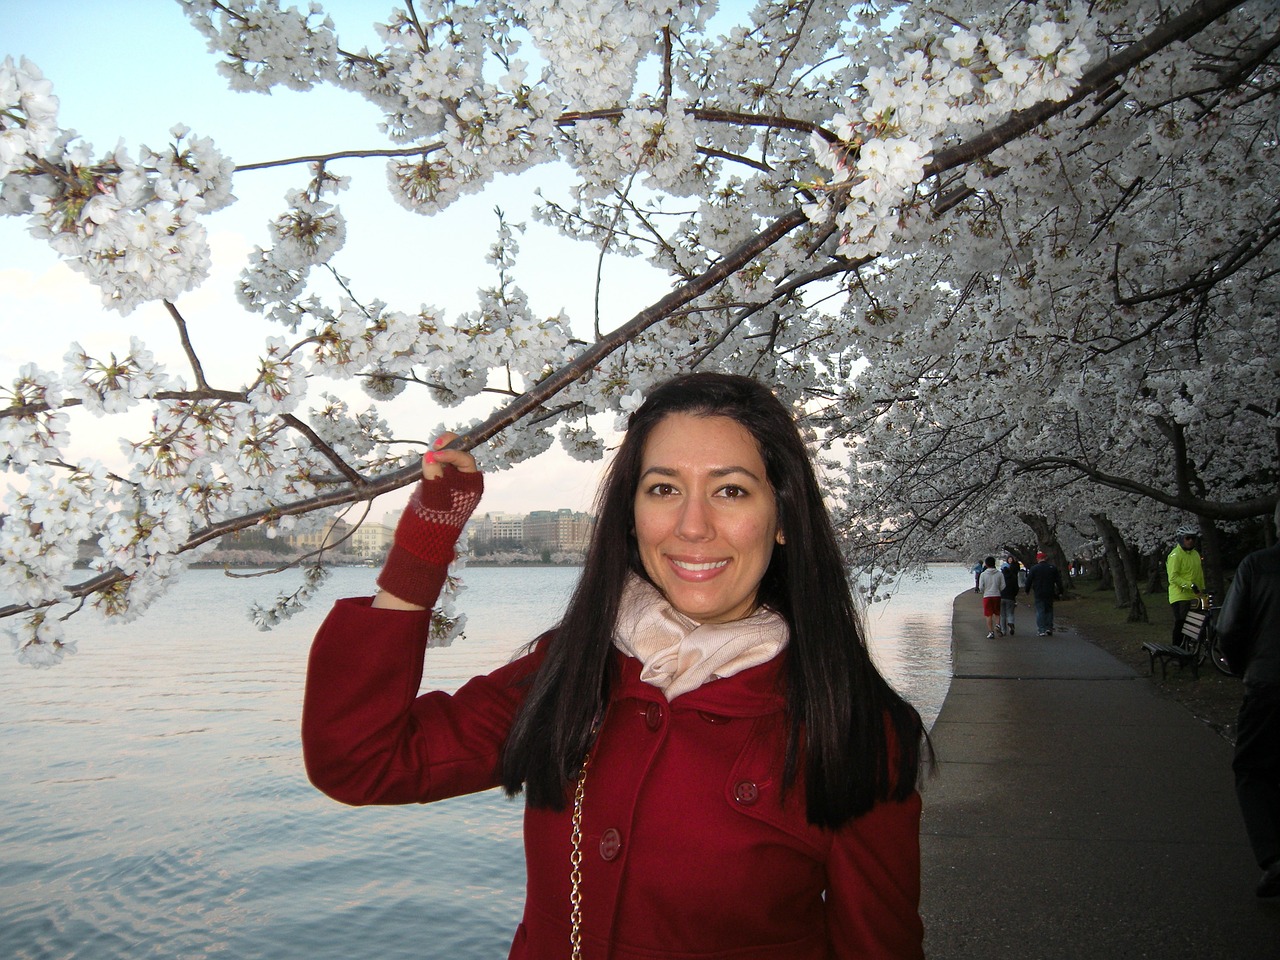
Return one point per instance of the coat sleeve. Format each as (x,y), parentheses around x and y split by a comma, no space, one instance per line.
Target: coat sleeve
(1234,630)
(1174,572)
(367,737)
(1181,571)
(873,885)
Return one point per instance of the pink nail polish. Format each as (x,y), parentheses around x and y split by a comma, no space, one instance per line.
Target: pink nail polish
(429,457)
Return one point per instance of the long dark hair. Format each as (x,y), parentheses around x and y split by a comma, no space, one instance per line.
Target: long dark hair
(862,741)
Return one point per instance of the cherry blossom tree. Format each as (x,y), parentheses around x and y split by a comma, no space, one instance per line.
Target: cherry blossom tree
(1101,335)
(907,217)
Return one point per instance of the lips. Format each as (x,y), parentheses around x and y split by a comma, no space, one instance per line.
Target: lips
(697,569)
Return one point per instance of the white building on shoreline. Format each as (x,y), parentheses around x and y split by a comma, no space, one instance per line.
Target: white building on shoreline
(556,531)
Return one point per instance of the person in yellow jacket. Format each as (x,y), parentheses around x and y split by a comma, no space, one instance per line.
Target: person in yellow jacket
(1186,577)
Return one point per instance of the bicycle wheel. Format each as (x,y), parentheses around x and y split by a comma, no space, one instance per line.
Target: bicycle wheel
(1219,661)
(1215,651)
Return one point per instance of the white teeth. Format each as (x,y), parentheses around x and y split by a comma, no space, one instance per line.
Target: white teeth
(713,565)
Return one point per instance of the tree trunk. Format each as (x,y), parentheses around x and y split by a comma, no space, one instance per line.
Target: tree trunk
(1106,574)
(1047,538)
(1138,609)
(1130,571)
(1158,580)
(1211,558)
(1125,585)
(1133,566)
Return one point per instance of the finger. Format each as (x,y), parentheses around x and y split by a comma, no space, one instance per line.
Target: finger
(463,461)
(441,455)
(431,469)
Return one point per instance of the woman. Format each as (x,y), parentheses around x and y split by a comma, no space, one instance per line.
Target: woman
(712,765)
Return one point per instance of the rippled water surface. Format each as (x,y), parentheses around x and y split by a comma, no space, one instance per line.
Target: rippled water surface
(153,802)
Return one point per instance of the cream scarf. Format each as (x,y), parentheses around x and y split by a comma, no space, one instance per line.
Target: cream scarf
(680,654)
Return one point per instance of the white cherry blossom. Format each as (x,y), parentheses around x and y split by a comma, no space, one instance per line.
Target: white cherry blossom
(836,204)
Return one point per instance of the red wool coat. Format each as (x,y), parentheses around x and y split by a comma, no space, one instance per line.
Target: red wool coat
(689,849)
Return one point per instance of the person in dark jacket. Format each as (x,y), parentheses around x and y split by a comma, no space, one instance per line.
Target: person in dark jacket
(1009,593)
(1044,583)
(1249,632)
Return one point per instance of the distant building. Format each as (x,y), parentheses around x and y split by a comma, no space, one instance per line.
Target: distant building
(372,540)
(330,537)
(496,531)
(558,530)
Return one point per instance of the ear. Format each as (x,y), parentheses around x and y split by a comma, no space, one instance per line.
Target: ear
(779,537)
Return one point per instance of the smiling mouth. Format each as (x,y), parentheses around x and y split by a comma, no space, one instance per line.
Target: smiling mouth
(700,567)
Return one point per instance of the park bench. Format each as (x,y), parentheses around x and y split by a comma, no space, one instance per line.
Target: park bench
(1191,650)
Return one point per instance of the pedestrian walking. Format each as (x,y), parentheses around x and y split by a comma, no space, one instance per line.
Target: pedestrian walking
(1044,583)
(990,583)
(1249,631)
(1009,592)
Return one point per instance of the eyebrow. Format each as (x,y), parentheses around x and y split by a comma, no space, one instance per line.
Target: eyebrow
(716,472)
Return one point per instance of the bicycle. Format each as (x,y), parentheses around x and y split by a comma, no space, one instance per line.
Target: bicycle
(1212,649)
(1198,641)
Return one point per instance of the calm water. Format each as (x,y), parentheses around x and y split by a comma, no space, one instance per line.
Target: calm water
(153,802)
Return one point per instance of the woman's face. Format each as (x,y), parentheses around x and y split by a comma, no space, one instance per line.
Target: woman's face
(705,517)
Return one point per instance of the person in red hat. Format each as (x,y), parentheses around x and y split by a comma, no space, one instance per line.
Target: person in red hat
(1044,583)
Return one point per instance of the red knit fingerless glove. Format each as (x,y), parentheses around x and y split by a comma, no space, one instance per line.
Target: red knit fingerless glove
(420,556)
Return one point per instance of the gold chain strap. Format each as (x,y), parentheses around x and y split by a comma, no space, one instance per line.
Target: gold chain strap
(575,864)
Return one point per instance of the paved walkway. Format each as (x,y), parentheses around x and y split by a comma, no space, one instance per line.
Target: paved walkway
(1076,814)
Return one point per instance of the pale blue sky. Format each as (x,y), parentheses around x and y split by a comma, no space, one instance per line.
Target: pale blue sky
(131,69)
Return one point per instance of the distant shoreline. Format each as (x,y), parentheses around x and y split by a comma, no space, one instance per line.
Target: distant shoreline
(470,562)
(233,565)
(531,563)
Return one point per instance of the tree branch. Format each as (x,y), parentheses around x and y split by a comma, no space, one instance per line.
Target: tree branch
(513,412)
(1212,509)
(187,348)
(329,453)
(1186,24)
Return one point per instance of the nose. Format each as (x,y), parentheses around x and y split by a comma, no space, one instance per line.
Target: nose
(695,520)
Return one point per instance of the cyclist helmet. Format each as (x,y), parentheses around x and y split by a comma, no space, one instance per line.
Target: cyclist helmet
(1187,530)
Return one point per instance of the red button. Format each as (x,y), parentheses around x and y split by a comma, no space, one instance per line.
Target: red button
(653,716)
(610,844)
(746,792)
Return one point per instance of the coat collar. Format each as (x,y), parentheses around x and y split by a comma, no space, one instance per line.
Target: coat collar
(754,692)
